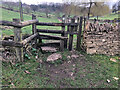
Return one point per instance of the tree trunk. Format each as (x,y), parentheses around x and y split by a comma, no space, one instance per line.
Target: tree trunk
(89,9)
(21,10)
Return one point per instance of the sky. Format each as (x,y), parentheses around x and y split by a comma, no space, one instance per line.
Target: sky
(110,2)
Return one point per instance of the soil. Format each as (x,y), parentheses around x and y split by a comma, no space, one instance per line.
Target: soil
(68,69)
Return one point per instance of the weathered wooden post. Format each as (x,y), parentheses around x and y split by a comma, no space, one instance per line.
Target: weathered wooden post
(79,34)
(76,21)
(68,27)
(34,30)
(18,38)
(71,35)
(84,23)
(64,34)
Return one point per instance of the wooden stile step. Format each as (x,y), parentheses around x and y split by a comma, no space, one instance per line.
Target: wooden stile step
(53,37)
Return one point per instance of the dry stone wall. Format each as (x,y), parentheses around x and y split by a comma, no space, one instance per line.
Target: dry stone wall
(101,38)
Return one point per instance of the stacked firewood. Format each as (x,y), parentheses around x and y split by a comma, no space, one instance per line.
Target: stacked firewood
(101,38)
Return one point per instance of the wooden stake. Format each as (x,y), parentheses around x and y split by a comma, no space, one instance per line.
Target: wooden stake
(64,34)
(79,34)
(34,30)
(71,36)
(17,39)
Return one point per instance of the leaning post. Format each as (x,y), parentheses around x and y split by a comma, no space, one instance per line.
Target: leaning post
(34,30)
(18,38)
(79,34)
(63,32)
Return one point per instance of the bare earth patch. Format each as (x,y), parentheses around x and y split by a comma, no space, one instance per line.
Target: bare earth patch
(74,72)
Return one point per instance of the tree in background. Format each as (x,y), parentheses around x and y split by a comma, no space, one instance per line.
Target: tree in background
(116,7)
(100,9)
(27,9)
(34,7)
(78,7)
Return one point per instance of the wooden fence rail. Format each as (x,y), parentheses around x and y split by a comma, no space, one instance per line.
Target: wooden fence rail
(25,41)
(10,43)
(19,25)
(50,31)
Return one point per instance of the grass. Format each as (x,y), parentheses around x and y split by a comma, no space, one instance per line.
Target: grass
(111,16)
(27,29)
(93,72)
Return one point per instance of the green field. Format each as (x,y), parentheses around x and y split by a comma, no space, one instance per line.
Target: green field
(91,71)
(9,15)
(108,17)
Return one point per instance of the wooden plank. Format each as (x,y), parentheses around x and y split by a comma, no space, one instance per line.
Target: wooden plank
(10,43)
(71,36)
(56,24)
(71,32)
(50,43)
(50,31)
(49,24)
(79,34)
(29,22)
(55,31)
(19,25)
(18,38)
(53,37)
(25,41)
(8,23)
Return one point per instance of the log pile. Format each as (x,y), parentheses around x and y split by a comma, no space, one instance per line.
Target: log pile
(101,39)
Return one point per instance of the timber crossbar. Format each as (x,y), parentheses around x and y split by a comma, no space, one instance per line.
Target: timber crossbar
(50,31)
(19,25)
(25,41)
(56,24)
(10,43)
(50,24)
(18,44)
(54,37)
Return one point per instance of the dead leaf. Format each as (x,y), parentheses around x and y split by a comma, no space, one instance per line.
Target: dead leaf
(112,59)
(75,56)
(108,80)
(71,74)
(69,61)
(115,78)
(27,72)
(73,65)
(68,57)
(13,85)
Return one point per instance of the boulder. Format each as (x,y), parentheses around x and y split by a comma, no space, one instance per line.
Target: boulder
(54,57)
